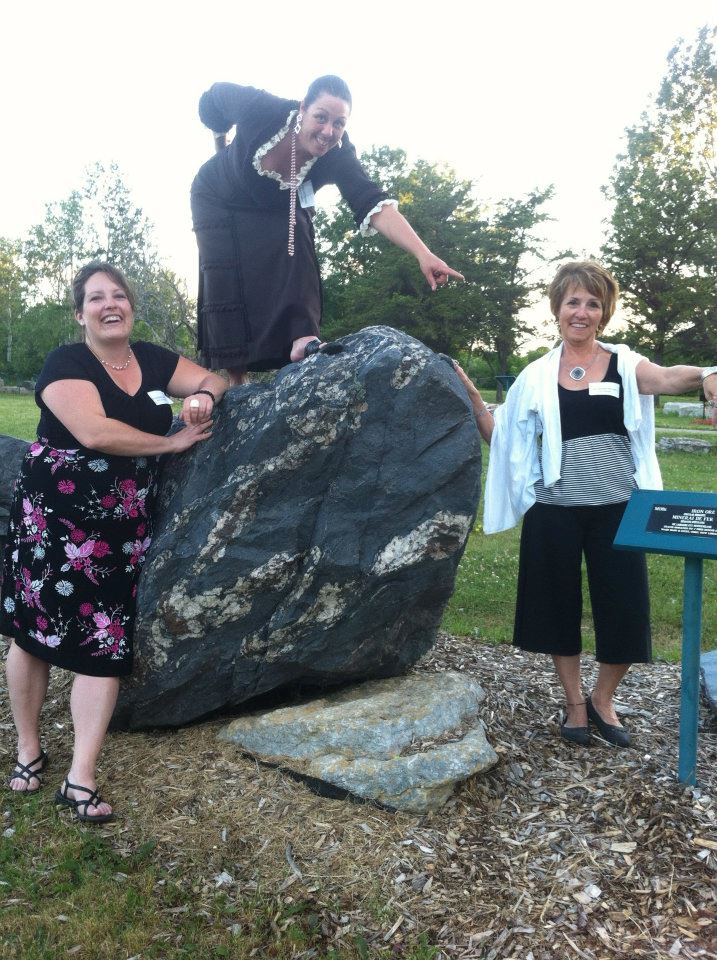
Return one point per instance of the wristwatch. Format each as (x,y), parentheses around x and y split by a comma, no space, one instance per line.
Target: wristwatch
(707,372)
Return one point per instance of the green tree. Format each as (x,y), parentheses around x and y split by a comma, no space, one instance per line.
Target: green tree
(123,232)
(56,248)
(662,240)
(512,252)
(99,221)
(12,297)
(369,281)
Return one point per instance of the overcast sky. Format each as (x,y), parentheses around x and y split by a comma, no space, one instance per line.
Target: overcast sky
(513,95)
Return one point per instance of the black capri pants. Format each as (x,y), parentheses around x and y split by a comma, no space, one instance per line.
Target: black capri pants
(549,602)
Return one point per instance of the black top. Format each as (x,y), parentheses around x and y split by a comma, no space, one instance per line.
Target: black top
(583,414)
(596,464)
(230,174)
(75,361)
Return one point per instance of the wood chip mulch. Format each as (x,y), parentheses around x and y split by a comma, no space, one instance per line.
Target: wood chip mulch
(558,852)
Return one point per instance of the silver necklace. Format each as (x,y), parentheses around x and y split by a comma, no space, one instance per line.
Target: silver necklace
(292,191)
(577,373)
(114,366)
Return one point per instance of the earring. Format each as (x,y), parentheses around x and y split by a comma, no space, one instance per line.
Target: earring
(299,118)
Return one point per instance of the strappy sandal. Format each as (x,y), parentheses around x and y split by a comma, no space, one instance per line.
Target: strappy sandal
(24,771)
(94,800)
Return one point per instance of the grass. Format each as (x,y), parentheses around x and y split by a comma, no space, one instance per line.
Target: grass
(69,891)
(18,416)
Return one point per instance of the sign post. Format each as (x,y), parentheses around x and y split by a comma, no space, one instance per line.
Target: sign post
(684,524)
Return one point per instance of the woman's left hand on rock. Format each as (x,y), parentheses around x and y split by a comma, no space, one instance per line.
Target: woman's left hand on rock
(196,408)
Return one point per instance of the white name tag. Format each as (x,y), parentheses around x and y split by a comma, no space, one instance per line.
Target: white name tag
(305,193)
(604,389)
(159,397)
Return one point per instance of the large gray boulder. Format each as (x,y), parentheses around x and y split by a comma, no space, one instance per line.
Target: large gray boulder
(314,539)
(12,452)
(404,742)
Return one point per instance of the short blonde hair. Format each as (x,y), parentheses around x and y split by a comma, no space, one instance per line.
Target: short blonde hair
(594,278)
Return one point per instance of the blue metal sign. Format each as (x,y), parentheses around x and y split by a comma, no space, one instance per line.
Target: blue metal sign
(670,521)
(685,524)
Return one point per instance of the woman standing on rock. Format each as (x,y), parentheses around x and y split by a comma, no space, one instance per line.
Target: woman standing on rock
(574,438)
(259,300)
(81,523)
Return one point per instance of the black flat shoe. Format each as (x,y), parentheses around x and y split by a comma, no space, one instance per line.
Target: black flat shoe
(316,346)
(617,736)
(580,735)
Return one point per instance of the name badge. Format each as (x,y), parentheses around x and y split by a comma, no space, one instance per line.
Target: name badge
(604,389)
(305,193)
(159,397)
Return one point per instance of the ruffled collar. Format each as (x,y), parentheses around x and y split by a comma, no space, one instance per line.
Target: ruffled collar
(266,147)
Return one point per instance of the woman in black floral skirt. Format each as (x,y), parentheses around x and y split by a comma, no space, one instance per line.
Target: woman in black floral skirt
(81,522)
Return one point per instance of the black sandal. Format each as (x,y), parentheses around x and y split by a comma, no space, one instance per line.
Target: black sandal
(94,800)
(316,346)
(24,771)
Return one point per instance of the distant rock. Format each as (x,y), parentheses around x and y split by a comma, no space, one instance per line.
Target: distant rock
(404,742)
(684,409)
(685,444)
(314,539)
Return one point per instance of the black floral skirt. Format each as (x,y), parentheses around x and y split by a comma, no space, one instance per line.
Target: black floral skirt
(80,526)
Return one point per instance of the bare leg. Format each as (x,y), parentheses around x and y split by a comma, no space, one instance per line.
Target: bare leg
(297,349)
(237,376)
(91,702)
(27,679)
(568,670)
(609,677)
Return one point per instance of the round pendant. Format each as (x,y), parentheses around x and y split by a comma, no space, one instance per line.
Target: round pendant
(577,373)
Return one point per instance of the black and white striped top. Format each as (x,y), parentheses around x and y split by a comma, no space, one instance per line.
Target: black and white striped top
(596,464)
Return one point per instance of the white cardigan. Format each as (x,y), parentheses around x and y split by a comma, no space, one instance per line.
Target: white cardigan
(531,409)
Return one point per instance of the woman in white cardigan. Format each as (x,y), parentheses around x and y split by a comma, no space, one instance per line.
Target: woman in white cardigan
(573,439)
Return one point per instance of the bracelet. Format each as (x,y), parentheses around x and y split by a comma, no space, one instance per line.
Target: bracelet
(208,393)
(707,372)
(483,412)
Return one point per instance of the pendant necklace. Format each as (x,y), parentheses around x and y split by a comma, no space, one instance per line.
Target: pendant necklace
(577,373)
(114,366)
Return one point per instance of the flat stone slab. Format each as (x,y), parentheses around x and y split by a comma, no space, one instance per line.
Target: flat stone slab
(683,409)
(685,444)
(404,742)
(708,669)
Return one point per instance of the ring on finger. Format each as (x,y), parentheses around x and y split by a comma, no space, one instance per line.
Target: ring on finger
(194,404)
